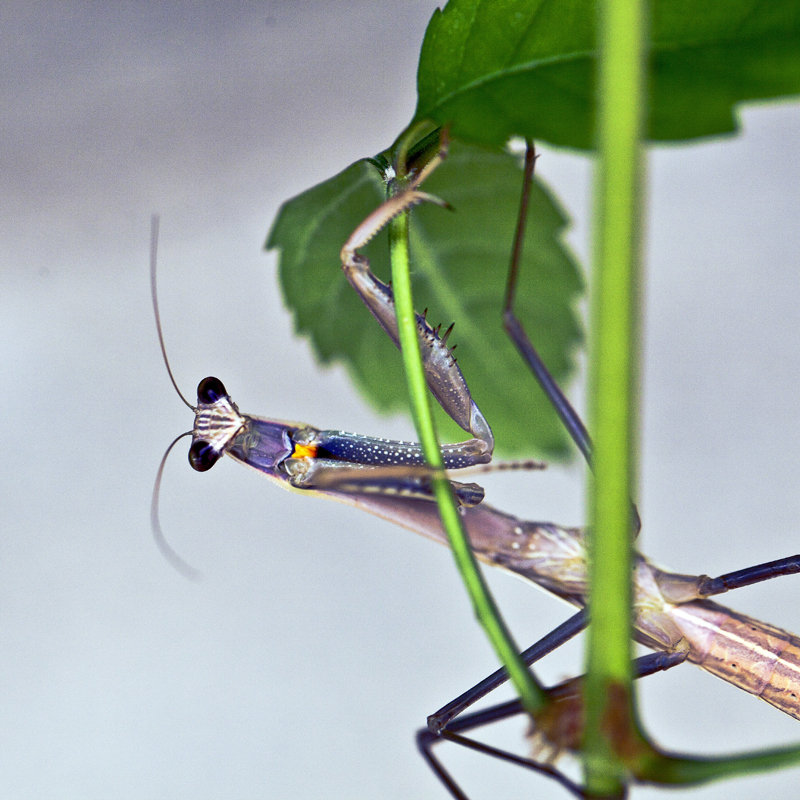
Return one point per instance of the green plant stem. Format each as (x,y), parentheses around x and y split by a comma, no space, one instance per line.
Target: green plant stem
(484,607)
(613,377)
(614,745)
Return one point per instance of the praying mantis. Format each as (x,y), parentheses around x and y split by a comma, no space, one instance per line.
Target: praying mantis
(390,479)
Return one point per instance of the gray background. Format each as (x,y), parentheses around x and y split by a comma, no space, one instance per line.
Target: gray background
(319,639)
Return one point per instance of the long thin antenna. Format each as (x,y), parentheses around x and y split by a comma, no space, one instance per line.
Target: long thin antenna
(155,524)
(154,293)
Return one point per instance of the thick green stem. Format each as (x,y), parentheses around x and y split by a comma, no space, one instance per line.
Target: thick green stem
(614,746)
(612,380)
(531,694)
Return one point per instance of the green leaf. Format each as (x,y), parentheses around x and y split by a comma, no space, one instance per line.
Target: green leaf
(492,69)
(460,259)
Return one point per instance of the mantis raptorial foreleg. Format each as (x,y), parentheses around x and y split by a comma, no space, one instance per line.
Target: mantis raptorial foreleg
(337,462)
(442,373)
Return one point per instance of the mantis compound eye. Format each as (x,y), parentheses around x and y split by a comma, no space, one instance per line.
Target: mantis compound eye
(203,455)
(209,390)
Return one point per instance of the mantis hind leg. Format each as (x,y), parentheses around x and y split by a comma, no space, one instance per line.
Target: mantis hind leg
(450,724)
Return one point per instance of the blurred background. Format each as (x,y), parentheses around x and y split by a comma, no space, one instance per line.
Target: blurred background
(319,639)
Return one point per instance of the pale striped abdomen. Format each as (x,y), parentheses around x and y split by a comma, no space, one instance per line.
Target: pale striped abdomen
(757,657)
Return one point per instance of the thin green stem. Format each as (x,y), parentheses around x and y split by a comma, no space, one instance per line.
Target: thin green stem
(530,692)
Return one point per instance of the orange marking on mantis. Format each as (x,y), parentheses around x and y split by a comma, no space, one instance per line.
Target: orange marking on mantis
(304,451)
